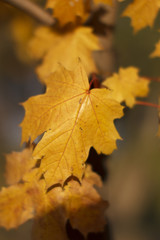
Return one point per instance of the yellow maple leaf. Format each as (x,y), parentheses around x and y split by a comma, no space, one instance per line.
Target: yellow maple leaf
(127,85)
(15,206)
(82,205)
(85,207)
(67,11)
(64,48)
(44,38)
(52,209)
(16,202)
(74,118)
(142,13)
(17,164)
(49,213)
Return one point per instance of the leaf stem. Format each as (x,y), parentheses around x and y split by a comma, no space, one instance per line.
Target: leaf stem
(148,104)
(94,81)
(155,79)
(32,9)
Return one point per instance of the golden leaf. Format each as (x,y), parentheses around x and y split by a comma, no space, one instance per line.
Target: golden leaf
(17,201)
(50,215)
(84,205)
(127,85)
(81,204)
(15,206)
(142,13)
(44,39)
(67,11)
(64,48)
(74,118)
(18,163)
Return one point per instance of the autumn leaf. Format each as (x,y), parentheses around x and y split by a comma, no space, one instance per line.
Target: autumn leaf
(89,206)
(127,85)
(142,13)
(21,202)
(15,206)
(74,118)
(63,48)
(17,164)
(82,205)
(67,11)
(50,214)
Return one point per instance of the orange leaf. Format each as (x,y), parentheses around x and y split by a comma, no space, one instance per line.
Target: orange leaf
(74,118)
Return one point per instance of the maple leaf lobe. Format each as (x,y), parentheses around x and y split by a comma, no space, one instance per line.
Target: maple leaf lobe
(127,85)
(52,47)
(142,13)
(17,164)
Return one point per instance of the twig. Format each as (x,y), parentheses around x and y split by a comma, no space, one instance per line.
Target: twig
(148,104)
(155,79)
(32,9)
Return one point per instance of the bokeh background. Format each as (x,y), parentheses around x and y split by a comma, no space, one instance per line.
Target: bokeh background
(132,173)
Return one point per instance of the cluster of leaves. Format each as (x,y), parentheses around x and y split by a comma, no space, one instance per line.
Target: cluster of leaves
(51,181)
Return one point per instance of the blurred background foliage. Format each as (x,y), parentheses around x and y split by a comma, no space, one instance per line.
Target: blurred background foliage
(132,182)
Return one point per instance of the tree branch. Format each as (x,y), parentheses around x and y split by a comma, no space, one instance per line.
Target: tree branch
(33,10)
